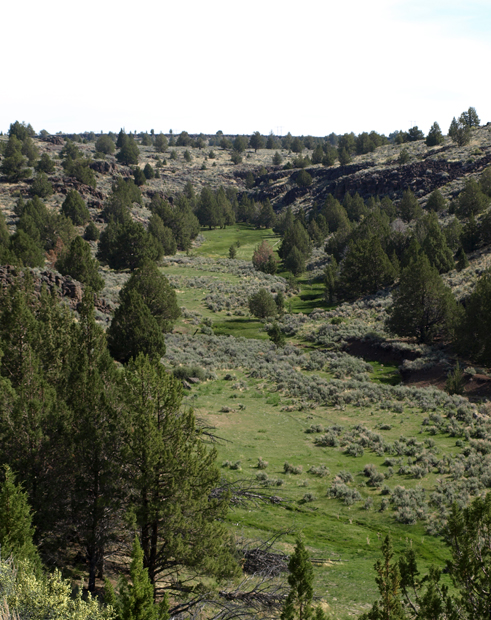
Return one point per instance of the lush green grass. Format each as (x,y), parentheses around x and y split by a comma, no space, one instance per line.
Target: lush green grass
(218,241)
(346,538)
(239,327)
(310,296)
(385,373)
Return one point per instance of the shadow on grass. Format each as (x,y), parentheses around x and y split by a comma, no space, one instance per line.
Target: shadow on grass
(245,327)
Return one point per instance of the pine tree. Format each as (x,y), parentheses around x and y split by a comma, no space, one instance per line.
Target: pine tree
(298,604)
(388,579)
(294,261)
(471,200)
(173,473)
(95,439)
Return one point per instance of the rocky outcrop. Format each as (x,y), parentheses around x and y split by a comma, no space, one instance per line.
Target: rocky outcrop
(103,167)
(65,287)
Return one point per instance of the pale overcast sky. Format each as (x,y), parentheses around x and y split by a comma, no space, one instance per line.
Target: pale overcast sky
(309,67)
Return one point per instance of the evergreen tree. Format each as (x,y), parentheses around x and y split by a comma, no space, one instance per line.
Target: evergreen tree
(157,294)
(30,150)
(45,164)
(262,304)
(139,176)
(95,440)
(16,531)
(41,186)
(148,171)
(435,136)
(344,156)
(105,145)
(136,600)
(335,214)
(423,306)
(295,236)
(129,153)
(295,261)
(471,200)
(162,234)
(134,330)
(331,280)
(461,259)
(75,208)
(256,141)
(298,604)
(91,232)
(459,131)
(161,143)
(485,181)
(277,159)
(435,246)
(436,201)
(14,165)
(473,330)
(208,212)
(408,207)
(470,118)
(127,245)
(78,263)
(26,250)
(173,473)
(388,579)
(366,268)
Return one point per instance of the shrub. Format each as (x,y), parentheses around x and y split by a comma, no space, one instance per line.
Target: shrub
(292,469)
(261,464)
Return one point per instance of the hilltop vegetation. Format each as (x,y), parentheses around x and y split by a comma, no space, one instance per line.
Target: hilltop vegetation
(264,336)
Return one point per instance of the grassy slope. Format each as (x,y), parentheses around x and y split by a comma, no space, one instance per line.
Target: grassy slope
(346,539)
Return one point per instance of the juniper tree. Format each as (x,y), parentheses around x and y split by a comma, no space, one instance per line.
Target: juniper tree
(423,306)
(408,207)
(134,330)
(262,304)
(163,234)
(75,208)
(135,600)
(435,136)
(78,263)
(14,164)
(16,531)
(45,164)
(105,145)
(473,330)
